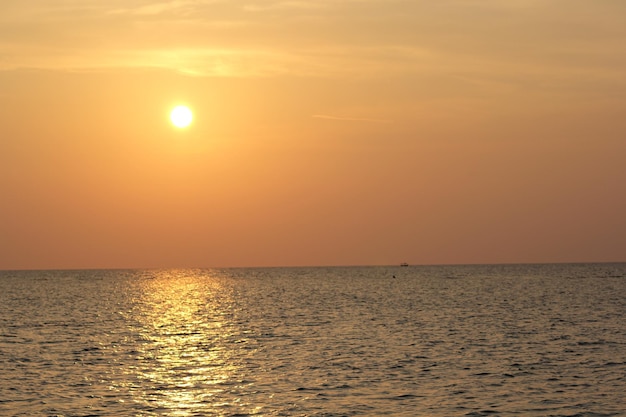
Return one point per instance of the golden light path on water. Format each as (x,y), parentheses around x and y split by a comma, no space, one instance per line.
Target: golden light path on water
(189,359)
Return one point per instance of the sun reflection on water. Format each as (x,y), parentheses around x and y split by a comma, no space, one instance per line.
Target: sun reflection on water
(185,319)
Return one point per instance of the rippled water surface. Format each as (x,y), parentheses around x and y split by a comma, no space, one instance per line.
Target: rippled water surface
(529,340)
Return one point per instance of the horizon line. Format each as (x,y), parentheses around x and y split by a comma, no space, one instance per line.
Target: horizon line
(399,265)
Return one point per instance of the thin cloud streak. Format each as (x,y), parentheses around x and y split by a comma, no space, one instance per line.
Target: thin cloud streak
(349,119)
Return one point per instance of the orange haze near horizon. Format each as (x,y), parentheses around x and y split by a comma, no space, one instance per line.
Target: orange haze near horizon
(324,133)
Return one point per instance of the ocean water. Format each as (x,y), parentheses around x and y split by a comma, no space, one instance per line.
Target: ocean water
(526,340)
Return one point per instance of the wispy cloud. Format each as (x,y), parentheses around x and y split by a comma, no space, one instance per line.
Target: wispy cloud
(477,39)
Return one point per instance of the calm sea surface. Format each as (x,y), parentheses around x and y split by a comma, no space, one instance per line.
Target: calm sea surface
(527,340)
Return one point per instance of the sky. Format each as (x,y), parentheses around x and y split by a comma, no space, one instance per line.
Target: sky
(326,132)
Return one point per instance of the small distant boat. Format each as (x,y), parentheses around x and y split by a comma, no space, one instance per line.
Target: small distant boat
(404,264)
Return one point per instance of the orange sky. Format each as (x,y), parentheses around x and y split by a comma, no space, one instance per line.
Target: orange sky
(326,132)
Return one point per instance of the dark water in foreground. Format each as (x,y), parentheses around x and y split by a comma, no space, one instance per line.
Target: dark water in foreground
(528,340)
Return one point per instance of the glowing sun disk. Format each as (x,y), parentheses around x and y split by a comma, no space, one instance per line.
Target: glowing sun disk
(181,116)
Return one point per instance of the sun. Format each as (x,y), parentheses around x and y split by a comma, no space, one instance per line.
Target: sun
(181,116)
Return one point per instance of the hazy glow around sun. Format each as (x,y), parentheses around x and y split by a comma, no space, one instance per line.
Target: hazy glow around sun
(181,116)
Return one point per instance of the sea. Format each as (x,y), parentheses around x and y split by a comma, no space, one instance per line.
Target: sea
(473,340)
